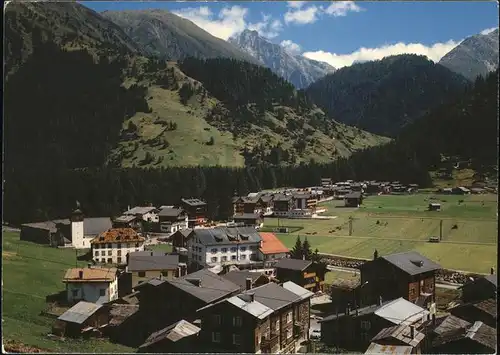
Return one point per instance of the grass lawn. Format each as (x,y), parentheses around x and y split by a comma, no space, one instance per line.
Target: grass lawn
(30,273)
(470,229)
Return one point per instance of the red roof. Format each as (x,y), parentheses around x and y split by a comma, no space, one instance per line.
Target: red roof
(271,244)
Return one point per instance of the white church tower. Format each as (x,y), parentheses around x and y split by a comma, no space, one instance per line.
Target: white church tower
(77,236)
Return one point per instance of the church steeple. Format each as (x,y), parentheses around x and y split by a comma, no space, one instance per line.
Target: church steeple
(77,214)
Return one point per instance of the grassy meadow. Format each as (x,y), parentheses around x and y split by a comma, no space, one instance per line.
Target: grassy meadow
(30,273)
(392,223)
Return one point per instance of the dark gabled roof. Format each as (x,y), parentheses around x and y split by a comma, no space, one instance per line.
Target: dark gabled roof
(174,332)
(449,324)
(298,195)
(266,198)
(95,226)
(170,212)
(292,264)
(239,277)
(273,296)
(355,194)
(212,287)
(125,218)
(488,306)
(411,262)
(193,202)
(361,312)
(491,279)
(227,235)
(246,216)
(138,210)
(401,333)
(478,332)
(137,261)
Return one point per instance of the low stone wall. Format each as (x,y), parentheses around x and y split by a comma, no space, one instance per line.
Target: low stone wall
(444,275)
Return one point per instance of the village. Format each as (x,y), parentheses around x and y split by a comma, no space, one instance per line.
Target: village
(166,279)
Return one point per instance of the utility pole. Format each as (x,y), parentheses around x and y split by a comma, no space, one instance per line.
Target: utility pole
(440,230)
(350,226)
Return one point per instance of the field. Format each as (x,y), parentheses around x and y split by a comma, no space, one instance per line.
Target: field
(30,273)
(394,224)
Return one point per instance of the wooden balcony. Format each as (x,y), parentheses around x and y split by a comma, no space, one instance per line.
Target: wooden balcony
(268,345)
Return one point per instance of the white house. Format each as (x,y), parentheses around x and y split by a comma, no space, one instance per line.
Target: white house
(91,284)
(112,246)
(224,245)
(148,214)
(172,219)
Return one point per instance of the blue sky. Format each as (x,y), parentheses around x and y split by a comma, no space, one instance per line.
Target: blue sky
(338,32)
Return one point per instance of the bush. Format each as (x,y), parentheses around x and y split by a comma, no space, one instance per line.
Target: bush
(211,141)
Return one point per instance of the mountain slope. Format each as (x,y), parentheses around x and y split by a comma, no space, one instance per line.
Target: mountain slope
(476,55)
(70,25)
(165,35)
(383,96)
(298,70)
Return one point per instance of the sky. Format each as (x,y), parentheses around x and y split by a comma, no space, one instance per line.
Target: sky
(338,32)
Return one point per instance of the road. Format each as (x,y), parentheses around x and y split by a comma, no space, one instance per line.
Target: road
(448,286)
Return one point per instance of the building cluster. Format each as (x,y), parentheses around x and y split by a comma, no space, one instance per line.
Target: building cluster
(392,309)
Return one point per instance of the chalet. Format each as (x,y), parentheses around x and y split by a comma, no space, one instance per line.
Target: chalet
(282,205)
(476,339)
(145,265)
(271,248)
(265,204)
(408,275)
(196,210)
(354,199)
(302,272)
(248,220)
(179,239)
(401,335)
(185,295)
(121,327)
(354,329)
(344,292)
(179,337)
(305,201)
(480,289)
(237,245)
(77,231)
(484,311)
(172,219)
(147,214)
(112,247)
(82,318)
(460,190)
(267,319)
(246,279)
(91,284)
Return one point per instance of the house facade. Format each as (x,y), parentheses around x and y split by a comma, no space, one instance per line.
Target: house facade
(172,219)
(147,213)
(300,272)
(113,246)
(145,265)
(271,248)
(249,220)
(196,210)
(353,199)
(209,247)
(91,284)
(282,205)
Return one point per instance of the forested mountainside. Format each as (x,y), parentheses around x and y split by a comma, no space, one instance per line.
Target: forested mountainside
(298,70)
(465,129)
(68,24)
(168,36)
(385,95)
(476,55)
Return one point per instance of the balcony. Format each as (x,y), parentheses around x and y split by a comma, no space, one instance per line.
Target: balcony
(268,345)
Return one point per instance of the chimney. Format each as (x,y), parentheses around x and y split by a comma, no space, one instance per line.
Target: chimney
(380,300)
(303,257)
(248,283)
(412,331)
(252,297)
(492,271)
(80,274)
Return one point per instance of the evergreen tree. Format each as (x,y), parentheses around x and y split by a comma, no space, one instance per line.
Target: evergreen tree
(297,251)
(306,250)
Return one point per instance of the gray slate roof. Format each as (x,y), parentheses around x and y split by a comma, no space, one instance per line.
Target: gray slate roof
(170,212)
(227,235)
(193,202)
(96,226)
(80,312)
(450,323)
(292,264)
(138,261)
(125,218)
(401,333)
(174,332)
(273,296)
(239,277)
(298,290)
(281,197)
(139,210)
(412,262)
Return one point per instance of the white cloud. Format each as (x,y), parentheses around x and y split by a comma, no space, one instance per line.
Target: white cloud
(341,8)
(291,47)
(300,15)
(434,53)
(488,30)
(229,21)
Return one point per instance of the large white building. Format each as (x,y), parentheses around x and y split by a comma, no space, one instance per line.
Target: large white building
(223,245)
(91,284)
(113,246)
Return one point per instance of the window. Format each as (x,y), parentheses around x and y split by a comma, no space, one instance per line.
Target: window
(110,252)
(277,325)
(102,292)
(97,253)
(199,257)
(289,317)
(119,253)
(103,253)
(214,259)
(213,250)
(243,248)
(233,257)
(103,261)
(236,339)
(75,293)
(243,257)
(237,321)
(119,259)
(164,273)
(224,258)
(141,274)
(224,250)
(110,246)
(288,333)
(119,245)
(215,337)
(97,246)
(365,324)
(233,250)
(110,261)
(217,319)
